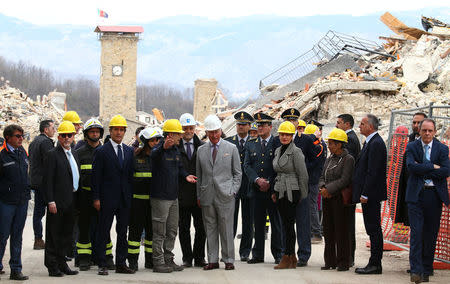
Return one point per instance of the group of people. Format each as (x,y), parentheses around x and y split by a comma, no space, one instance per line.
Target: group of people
(172,177)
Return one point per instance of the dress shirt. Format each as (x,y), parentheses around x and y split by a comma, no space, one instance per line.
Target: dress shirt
(114,144)
(191,145)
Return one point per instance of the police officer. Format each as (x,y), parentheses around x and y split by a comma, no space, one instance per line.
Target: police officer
(253,132)
(141,215)
(244,195)
(87,219)
(259,170)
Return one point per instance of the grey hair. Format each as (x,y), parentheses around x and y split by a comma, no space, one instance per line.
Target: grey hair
(373,120)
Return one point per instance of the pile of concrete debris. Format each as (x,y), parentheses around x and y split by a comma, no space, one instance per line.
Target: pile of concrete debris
(420,75)
(18,108)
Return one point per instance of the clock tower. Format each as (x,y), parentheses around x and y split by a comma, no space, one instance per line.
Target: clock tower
(118,70)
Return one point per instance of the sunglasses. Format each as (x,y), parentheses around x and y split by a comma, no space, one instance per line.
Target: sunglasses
(19,136)
(68,135)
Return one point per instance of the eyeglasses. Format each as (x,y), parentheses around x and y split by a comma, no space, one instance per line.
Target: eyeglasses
(19,136)
(68,135)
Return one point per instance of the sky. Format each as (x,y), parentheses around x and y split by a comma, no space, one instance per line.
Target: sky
(236,42)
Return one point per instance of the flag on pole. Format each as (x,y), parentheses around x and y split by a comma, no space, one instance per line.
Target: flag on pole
(102,14)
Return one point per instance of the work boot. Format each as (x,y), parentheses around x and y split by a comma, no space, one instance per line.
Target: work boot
(162,268)
(284,263)
(84,264)
(149,263)
(293,261)
(110,263)
(39,244)
(174,266)
(133,264)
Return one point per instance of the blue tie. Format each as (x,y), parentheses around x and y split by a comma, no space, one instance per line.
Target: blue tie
(74,168)
(427,159)
(120,155)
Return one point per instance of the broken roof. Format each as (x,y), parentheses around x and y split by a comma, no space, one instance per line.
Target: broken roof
(119,29)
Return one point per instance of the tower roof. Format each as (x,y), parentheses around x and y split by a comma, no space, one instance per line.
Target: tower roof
(119,29)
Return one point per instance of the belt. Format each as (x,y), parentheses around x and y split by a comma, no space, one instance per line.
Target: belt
(429,187)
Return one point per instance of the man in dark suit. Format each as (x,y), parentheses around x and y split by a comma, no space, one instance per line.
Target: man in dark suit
(244,195)
(61,182)
(369,188)
(258,167)
(345,122)
(112,177)
(428,165)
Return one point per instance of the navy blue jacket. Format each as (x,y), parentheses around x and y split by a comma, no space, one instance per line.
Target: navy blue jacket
(369,178)
(244,189)
(419,170)
(258,163)
(320,155)
(167,168)
(112,184)
(14,180)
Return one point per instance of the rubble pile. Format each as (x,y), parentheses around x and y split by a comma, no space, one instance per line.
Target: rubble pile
(419,75)
(18,108)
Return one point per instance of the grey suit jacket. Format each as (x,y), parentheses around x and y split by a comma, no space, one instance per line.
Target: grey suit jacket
(219,180)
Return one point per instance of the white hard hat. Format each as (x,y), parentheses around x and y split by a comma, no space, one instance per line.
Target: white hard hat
(186,119)
(150,132)
(212,122)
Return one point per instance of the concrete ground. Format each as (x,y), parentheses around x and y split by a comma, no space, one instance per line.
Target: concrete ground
(394,268)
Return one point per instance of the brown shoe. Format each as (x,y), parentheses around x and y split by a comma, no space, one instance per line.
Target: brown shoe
(211,266)
(293,261)
(229,266)
(39,244)
(284,263)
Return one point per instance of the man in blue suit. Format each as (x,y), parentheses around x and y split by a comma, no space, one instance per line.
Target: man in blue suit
(112,176)
(428,165)
(369,188)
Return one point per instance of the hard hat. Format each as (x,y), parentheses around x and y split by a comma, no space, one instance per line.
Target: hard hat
(66,127)
(118,121)
(286,127)
(338,135)
(311,129)
(301,122)
(72,116)
(149,133)
(254,126)
(172,125)
(93,123)
(212,122)
(186,119)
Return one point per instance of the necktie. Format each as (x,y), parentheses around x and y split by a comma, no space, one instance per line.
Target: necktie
(74,168)
(120,155)
(264,145)
(214,153)
(188,150)
(427,159)
(242,143)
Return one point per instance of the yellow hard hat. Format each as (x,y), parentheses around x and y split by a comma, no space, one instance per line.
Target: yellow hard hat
(311,129)
(338,135)
(72,116)
(172,125)
(301,122)
(66,127)
(118,121)
(286,127)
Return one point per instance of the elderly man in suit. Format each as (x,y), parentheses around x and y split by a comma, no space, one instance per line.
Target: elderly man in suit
(60,183)
(428,165)
(112,177)
(369,188)
(345,122)
(219,178)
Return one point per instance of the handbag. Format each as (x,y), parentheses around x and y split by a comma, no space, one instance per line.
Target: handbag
(347,195)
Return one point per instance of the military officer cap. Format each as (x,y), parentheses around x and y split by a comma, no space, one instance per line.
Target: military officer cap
(254,126)
(290,114)
(316,123)
(243,117)
(261,117)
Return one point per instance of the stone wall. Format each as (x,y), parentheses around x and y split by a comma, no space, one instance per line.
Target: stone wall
(204,92)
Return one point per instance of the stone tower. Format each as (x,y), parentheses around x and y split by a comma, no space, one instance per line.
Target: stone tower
(204,92)
(118,70)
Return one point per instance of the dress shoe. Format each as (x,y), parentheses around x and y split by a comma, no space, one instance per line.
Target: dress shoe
(302,263)
(187,263)
(277,260)
(69,271)
(162,268)
(255,260)
(103,271)
(229,266)
(326,267)
(244,258)
(369,269)
(123,269)
(341,268)
(211,266)
(416,278)
(174,266)
(200,263)
(56,273)
(16,275)
(39,244)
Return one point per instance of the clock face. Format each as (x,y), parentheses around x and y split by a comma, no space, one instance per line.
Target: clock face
(117,70)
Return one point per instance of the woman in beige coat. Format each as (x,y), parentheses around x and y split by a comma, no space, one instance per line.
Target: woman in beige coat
(291,185)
